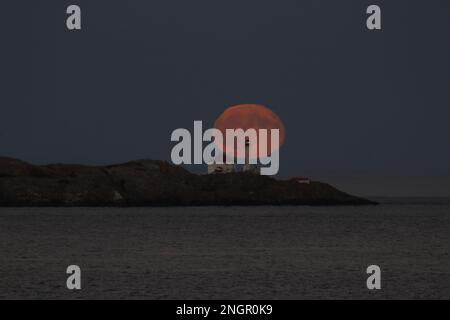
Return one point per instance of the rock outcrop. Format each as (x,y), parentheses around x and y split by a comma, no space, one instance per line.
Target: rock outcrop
(153,183)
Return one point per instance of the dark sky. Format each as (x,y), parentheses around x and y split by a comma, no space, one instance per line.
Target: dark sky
(354,102)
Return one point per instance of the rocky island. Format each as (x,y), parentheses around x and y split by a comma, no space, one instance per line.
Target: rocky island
(153,183)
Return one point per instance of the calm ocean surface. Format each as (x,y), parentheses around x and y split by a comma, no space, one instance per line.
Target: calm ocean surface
(227,253)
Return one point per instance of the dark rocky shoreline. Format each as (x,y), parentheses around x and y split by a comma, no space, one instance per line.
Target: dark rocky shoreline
(153,183)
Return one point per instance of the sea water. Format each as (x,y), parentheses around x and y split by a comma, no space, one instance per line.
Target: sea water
(227,252)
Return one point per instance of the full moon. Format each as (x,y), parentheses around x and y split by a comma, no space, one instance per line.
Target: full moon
(251,116)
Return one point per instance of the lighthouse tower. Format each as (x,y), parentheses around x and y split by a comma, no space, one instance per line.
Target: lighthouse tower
(247,166)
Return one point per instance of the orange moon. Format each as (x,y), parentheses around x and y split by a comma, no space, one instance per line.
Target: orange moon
(251,116)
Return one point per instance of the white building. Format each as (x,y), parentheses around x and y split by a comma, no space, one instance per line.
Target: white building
(221,168)
(230,168)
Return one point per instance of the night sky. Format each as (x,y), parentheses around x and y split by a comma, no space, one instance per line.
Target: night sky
(355,103)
